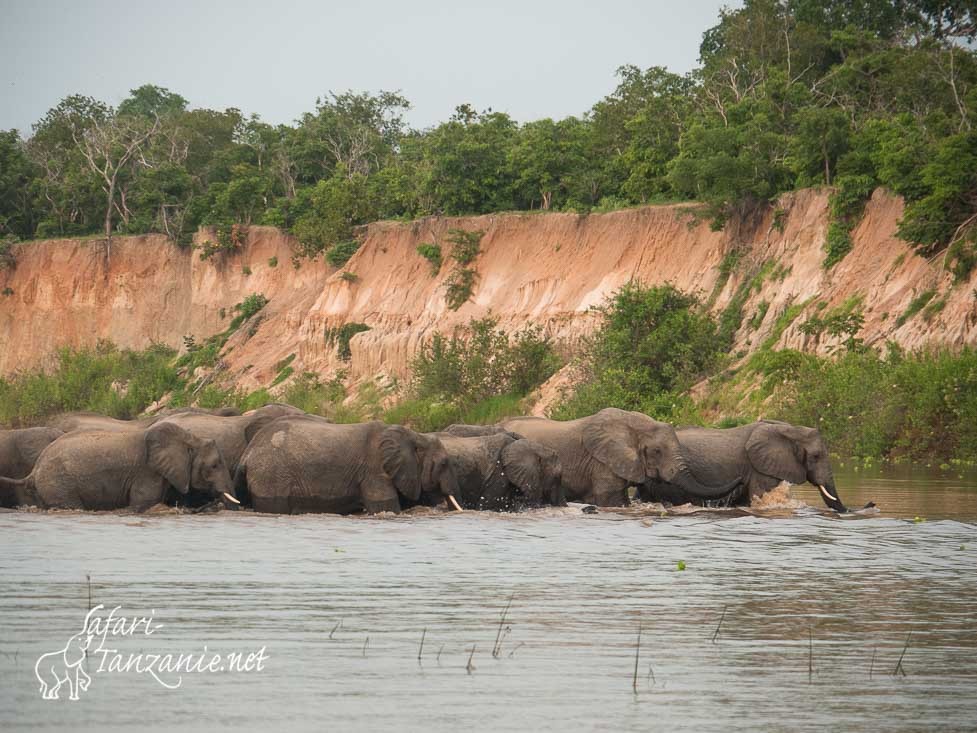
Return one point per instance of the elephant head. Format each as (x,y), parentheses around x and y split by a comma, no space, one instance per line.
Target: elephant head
(639,449)
(417,463)
(186,461)
(535,470)
(795,454)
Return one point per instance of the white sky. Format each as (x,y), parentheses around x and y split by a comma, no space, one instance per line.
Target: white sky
(531,58)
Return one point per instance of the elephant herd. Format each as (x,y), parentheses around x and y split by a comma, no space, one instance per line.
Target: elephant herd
(280,459)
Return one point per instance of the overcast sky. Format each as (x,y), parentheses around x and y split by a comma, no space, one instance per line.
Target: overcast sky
(530,58)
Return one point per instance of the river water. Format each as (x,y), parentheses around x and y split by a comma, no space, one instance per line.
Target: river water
(785,618)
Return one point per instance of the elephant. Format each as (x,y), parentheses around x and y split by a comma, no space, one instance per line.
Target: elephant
(761,455)
(115,470)
(82,421)
(306,464)
(19,450)
(65,666)
(231,434)
(499,470)
(72,421)
(603,455)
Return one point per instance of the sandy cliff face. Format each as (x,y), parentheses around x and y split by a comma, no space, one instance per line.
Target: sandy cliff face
(545,269)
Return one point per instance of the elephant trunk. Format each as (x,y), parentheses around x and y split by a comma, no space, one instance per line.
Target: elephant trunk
(687,481)
(449,487)
(830,495)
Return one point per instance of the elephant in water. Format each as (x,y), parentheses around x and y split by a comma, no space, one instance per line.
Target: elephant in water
(231,434)
(307,464)
(602,455)
(115,470)
(501,471)
(19,450)
(761,455)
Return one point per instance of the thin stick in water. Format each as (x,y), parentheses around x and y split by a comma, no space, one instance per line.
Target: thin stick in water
(810,654)
(438,659)
(89,577)
(899,668)
(336,628)
(871,667)
(497,648)
(471,667)
(716,633)
(637,653)
(365,642)
(421,648)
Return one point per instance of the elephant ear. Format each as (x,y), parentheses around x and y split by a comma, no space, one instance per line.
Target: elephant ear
(399,456)
(170,452)
(609,438)
(524,467)
(773,453)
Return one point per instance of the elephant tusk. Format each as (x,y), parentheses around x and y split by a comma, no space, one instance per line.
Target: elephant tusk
(454,503)
(827,493)
(231,498)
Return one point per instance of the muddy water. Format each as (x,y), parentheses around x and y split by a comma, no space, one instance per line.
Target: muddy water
(818,609)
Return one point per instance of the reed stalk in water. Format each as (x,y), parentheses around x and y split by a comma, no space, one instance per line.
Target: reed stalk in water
(899,668)
(637,653)
(470,667)
(716,634)
(810,655)
(420,649)
(497,648)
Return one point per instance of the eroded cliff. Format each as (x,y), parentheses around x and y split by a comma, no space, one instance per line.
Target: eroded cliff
(546,269)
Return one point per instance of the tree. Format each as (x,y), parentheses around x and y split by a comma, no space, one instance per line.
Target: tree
(544,156)
(358,131)
(16,172)
(151,101)
(108,144)
(821,139)
(468,159)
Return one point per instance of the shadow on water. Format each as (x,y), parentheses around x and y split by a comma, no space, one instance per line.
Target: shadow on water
(784,618)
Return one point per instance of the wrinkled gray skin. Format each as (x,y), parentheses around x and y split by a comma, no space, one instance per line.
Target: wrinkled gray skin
(122,469)
(602,455)
(501,471)
(82,421)
(73,421)
(231,434)
(761,454)
(19,450)
(305,464)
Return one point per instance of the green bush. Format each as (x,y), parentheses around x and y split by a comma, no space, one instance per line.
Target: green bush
(338,254)
(466,245)
(432,253)
(459,286)
(120,383)
(247,308)
(342,336)
(920,405)
(477,373)
(651,345)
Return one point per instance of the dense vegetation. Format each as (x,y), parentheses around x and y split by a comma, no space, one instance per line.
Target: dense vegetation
(787,94)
